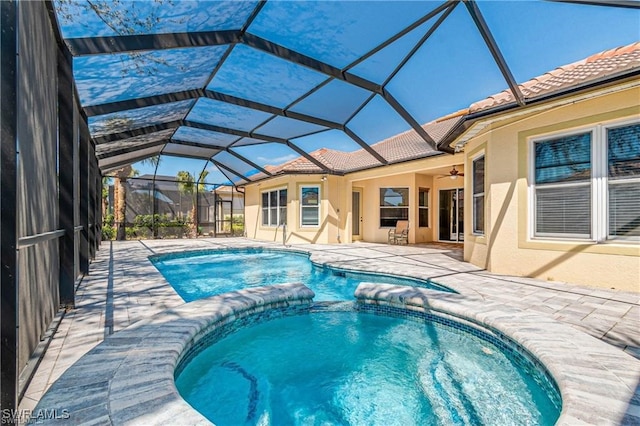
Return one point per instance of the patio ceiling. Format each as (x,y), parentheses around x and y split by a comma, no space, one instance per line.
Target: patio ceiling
(243,85)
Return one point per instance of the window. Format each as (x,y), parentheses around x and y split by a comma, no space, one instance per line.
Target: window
(586,185)
(423,208)
(310,206)
(623,176)
(563,186)
(394,206)
(478,195)
(274,207)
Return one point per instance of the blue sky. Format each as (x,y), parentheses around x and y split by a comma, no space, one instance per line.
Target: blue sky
(450,71)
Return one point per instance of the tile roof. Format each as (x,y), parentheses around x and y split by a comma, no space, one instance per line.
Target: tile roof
(409,145)
(603,64)
(402,147)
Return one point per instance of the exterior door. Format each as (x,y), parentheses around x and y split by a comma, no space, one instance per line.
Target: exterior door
(451,215)
(356,215)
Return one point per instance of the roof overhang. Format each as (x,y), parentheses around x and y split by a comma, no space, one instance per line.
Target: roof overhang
(474,123)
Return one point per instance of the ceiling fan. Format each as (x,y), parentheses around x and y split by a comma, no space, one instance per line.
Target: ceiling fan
(453,173)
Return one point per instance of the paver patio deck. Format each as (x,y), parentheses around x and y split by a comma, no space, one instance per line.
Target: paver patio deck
(124,287)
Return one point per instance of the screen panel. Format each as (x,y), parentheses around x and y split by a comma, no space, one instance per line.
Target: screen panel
(139,117)
(336,101)
(117,77)
(380,65)
(235,164)
(453,69)
(287,128)
(192,134)
(111,162)
(79,18)
(268,154)
(332,139)
(336,32)
(105,148)
(187,150)
(215,178)
(223,114)
(533,47)
(233,178)
(171,164)
(251,74)
(377,121)
(249,141)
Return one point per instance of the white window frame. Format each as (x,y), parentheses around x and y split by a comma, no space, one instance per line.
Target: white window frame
(317,207)
(279,220)
(599,183)
(474,231)
(427,191)
(605,183)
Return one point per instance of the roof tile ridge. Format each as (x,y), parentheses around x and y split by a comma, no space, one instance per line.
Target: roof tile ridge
(284,165)
(612,53)
(609,53)
(556,72)
(398,135)
(506,94)
(319,154)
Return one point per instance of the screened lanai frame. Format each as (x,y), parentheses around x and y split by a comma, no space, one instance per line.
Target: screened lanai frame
(55,150)
(219,106)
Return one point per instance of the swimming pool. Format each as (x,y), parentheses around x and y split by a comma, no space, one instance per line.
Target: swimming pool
(203,274)
(345,367)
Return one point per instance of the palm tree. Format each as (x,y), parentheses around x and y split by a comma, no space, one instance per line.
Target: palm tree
(120,200)
(189,186)
(120,194)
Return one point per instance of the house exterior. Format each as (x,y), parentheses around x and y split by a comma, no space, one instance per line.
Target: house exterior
(550,190)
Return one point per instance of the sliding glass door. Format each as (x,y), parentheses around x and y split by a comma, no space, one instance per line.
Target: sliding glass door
(451,215)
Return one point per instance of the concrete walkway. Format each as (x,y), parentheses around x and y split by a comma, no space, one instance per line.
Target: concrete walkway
(124,287)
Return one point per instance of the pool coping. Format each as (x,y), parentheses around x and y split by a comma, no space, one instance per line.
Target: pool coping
(129,377)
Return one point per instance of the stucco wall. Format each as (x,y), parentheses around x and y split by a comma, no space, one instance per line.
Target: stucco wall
(332,222)
(507,246)
(336,205)
(428,173)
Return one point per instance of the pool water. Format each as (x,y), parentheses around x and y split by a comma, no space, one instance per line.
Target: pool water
(361,369)
(202,275)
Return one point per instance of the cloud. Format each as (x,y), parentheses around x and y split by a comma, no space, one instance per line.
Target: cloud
(277,160)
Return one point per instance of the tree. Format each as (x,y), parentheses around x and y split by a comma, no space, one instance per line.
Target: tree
(189,186)
(120,194)
(106,180)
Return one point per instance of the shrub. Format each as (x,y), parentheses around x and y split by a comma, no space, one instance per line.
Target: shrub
(108,233)
(108,228)
(158,225)
(131,233)
(237,224)
(109,220)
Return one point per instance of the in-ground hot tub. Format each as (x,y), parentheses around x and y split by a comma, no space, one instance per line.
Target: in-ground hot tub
(344,363)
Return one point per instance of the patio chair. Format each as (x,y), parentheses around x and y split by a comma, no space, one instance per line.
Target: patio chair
(400,234)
